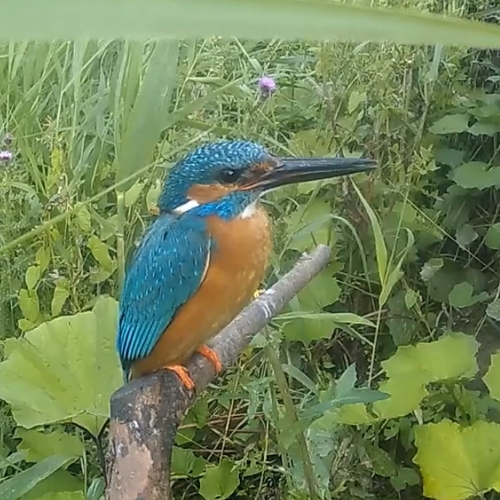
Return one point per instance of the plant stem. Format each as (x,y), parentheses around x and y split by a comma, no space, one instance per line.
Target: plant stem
(294,421)
(120,244)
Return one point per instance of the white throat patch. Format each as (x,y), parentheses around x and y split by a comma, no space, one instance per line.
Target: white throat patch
(186,207)
(249,210)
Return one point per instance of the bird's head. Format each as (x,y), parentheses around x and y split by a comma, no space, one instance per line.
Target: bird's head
(225,177)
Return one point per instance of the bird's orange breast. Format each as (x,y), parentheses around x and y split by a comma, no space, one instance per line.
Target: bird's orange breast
(235,269)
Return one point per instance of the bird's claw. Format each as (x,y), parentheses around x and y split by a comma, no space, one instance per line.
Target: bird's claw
(183,374)
(211,355)
(258,293)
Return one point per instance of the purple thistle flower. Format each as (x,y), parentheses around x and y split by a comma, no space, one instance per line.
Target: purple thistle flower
(5,156)
(266,86)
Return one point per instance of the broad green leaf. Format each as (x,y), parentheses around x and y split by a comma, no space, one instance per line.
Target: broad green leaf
(458,462)
(476,174)
(310,224)
(43,258)
(60,481)
(483,128)
(84,220)
(32,276)
(450,357)
(493,310)
(381,462)
(323,290)
(64,370)
(462,296)
(450,124)
(111,19)
(492,238)
(29,304)
(492,377)
(40,445)
(466,235)
(220,481)
(411,298)
(186,464)
(100,252)
(410,370)
(63,495)
(61,293)
(22,482)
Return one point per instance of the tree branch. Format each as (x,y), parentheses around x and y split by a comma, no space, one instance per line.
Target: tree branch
(146,413)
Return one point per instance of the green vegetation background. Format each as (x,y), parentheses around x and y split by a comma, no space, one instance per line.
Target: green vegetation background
(389,356)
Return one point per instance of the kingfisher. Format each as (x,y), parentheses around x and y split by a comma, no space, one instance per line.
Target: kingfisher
(203,258)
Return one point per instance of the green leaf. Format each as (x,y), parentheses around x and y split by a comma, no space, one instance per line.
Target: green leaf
(380,246)
(186,464)
(323,290)
(40,445)
(466,235)
(492,238)
(450,124)
(462,296)
(132,194)
(64,370)
(29,304)
(458,462)
(60,481)
(493,310)
(32,276)
(312,20)
(43,258)
(220,482)
(310,224)
(100,252)
(61,293)
(355,99)
(483,128)
(63,495)
(22,482)
(476,174)
(450,357)
(142,102)
(411,298)
(492,376)
(381,462)
(410,370)
(84,220)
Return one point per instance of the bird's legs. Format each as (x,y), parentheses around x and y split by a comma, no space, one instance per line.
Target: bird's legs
(211,355)
(183,374)
(258,293)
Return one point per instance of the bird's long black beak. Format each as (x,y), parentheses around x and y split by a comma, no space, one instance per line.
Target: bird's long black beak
(295,170)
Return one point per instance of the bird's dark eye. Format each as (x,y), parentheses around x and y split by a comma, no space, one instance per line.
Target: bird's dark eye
(229,175)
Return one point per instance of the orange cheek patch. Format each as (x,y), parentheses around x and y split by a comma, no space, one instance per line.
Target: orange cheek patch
(205,193)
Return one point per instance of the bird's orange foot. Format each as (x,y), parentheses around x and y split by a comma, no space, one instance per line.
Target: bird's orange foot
(258,293)
(183,374)
(211,355)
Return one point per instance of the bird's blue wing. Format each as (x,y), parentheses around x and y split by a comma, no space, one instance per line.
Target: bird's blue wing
(167,269)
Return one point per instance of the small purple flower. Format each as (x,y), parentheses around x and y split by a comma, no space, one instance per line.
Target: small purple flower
(5,156)
(267,86)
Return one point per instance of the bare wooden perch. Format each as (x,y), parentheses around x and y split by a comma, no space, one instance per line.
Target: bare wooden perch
(146,413)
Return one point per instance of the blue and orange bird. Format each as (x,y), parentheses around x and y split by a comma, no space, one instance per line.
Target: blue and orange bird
(203,258)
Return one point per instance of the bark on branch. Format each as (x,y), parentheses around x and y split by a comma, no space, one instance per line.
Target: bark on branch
(146,413)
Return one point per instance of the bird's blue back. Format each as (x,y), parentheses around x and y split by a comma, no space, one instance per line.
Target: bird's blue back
(165,272)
